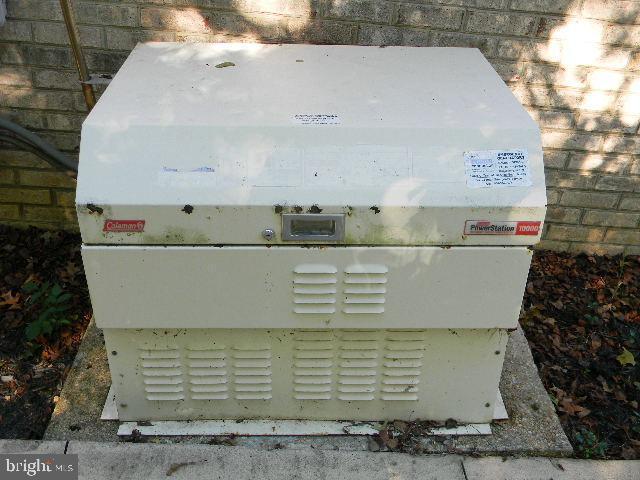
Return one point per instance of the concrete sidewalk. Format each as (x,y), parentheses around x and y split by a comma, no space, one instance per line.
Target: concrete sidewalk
(187,461)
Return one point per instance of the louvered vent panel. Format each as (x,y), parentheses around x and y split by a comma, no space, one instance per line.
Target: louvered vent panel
(358,364)
(252,372)
(365,288)
(402,365)
(314,288)
(208,377)
(162,374)
(313,365)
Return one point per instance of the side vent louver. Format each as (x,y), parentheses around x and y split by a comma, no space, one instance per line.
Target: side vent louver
(252,372)
(208,376)
(162,374)
(365,288)
(314,288)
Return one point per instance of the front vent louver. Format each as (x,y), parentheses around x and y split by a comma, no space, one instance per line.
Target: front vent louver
(162,374)
(346,365)
(313,365)
(208,377)
(402,365)
(358,365)
(314,288)
(252,372)
(365,289)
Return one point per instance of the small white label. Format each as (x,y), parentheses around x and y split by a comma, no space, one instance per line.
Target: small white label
(317,119)
(497,168)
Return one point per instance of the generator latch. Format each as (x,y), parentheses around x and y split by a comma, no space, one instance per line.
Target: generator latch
(313,227)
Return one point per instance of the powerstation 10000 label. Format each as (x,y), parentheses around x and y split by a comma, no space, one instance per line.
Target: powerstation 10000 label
(488,227)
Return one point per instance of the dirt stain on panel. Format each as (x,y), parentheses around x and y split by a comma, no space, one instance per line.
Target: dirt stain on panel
(94,209)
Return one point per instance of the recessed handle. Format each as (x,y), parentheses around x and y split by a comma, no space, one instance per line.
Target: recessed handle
(313,227)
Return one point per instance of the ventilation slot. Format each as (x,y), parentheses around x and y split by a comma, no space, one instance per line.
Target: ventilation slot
(365,288)
(357,368)
(314,288)
(313,362)
(162,374)
(208,377)
(402,365)
(252,373)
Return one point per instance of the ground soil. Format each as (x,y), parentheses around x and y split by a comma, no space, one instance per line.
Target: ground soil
(581,316)
(32,372)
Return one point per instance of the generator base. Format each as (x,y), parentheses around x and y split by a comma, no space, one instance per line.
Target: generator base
(278,427)
(281,374)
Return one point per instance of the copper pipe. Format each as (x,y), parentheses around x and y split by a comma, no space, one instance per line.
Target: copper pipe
(76,47)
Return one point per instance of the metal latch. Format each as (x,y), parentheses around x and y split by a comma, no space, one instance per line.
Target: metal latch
(313,227)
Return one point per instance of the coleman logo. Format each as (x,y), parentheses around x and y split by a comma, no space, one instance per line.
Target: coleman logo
(123,226)
(487,227)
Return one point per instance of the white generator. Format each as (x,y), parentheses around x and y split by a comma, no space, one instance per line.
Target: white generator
(307,232)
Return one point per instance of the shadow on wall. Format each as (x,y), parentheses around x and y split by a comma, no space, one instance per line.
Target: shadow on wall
(582,65)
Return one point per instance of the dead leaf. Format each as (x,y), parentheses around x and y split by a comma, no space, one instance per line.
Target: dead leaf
(10,299)
(386,438)
(225,64)
(626,357)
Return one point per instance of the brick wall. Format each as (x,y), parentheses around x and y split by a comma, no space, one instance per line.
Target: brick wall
(574,64)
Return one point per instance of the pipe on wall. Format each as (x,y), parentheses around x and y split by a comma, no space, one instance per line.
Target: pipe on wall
(76,47)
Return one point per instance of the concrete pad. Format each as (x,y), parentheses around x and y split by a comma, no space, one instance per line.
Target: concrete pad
(547,468)
(125,461)
(532,427)
(32,446)
(77,413)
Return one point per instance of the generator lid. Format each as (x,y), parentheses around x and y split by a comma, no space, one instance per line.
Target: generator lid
(277,144)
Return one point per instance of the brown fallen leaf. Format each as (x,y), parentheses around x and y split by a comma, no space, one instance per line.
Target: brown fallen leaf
(11,300)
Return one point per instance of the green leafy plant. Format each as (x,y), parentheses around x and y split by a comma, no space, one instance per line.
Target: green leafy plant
(588,445)
(47,305)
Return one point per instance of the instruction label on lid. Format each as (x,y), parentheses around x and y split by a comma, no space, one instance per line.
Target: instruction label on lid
(317,119)
(497,168)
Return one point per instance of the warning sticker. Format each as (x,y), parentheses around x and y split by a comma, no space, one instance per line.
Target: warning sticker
(317,119)
(123,226)
(487,227)
(497,168)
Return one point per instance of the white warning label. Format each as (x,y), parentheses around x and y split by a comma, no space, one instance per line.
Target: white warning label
(317,119)
(497,168)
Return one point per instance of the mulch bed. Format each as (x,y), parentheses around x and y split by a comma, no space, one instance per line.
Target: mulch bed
(32,371)
(581,315)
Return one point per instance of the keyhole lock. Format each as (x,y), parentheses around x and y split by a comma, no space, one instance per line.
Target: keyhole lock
(268,233)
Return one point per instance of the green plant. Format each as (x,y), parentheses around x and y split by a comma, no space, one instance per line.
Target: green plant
(588,445)
(47,305)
